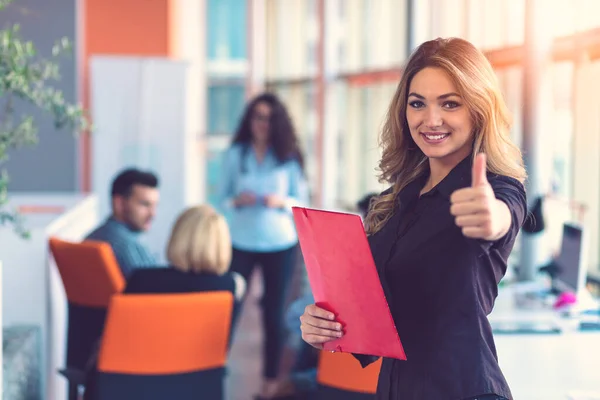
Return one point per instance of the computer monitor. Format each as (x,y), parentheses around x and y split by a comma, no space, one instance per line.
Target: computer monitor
(571,262)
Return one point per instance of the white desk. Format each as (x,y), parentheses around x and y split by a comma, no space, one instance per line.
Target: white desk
(546,366)
(32,291)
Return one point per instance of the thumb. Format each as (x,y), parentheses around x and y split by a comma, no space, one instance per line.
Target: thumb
(479,170)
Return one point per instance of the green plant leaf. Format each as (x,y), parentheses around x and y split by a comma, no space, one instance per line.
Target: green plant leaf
(26,76)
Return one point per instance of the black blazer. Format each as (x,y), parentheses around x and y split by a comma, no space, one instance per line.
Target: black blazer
(170,280)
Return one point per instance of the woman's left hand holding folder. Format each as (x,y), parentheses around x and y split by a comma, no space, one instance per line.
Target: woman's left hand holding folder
(318,326)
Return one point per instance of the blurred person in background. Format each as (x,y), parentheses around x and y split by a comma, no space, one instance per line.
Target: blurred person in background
(262,179)
(199,256)
(134,198)
(442,233)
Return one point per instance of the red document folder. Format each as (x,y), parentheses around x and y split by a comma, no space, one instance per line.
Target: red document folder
(344,280)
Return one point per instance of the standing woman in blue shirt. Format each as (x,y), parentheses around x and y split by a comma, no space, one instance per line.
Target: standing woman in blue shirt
(262,179)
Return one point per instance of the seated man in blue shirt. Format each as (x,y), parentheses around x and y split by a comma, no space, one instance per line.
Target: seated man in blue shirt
(134,197)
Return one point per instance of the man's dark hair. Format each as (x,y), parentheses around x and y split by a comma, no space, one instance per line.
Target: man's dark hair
(123,183)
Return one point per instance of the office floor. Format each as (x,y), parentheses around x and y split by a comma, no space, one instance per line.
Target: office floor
(243,380)
(245,361)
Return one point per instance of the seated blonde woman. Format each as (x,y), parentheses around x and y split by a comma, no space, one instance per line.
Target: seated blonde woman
(199,255)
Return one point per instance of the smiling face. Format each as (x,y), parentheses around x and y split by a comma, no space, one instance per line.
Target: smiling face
(438,119)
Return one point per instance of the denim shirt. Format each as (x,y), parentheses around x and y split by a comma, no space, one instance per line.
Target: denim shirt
(259,228)
(129,251)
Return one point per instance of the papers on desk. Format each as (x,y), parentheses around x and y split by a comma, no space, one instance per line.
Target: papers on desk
(507,327)
(513,315)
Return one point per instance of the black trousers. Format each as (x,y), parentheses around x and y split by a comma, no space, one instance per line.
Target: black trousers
(277,271)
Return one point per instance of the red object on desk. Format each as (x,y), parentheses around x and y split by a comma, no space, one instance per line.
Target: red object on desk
(344,280)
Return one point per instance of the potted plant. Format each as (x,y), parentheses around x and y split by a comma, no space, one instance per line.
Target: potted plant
(27,77)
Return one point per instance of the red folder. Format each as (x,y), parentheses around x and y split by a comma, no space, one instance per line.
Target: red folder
(344,280)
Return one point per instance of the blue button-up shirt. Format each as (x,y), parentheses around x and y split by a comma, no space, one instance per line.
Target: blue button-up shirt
(259,228)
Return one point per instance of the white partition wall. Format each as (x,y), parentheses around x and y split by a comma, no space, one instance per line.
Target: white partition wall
(141,119)
(32,290)
(1,331)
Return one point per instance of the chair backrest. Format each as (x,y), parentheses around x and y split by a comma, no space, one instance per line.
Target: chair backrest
(89,271)
(161,334)
(342,371)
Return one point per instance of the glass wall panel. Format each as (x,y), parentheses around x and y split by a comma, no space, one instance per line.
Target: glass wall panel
(225,106)
(226,29)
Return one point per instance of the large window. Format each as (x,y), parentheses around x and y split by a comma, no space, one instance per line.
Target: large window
(226,29)
(225,106)
(486,23)
(365,47)
(226,66)
(561,135)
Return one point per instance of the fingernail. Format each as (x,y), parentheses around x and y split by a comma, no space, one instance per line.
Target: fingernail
(338,327)
(339,334)
(331,316)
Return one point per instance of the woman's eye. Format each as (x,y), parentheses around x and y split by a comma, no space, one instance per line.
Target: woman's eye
(416,104)
(451,104)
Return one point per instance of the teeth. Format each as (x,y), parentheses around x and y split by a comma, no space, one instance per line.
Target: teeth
(436,137)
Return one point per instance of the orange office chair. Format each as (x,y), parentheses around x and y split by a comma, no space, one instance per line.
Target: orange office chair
(91,276)
(163,346)
(340,376)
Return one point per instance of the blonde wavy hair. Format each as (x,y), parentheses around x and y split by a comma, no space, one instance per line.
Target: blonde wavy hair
(200,241)
(402,161)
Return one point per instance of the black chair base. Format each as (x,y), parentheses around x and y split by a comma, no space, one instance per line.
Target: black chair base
(76,378)
(329,393)
(189,386)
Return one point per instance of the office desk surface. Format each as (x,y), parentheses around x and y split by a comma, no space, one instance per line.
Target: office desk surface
(546,366)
